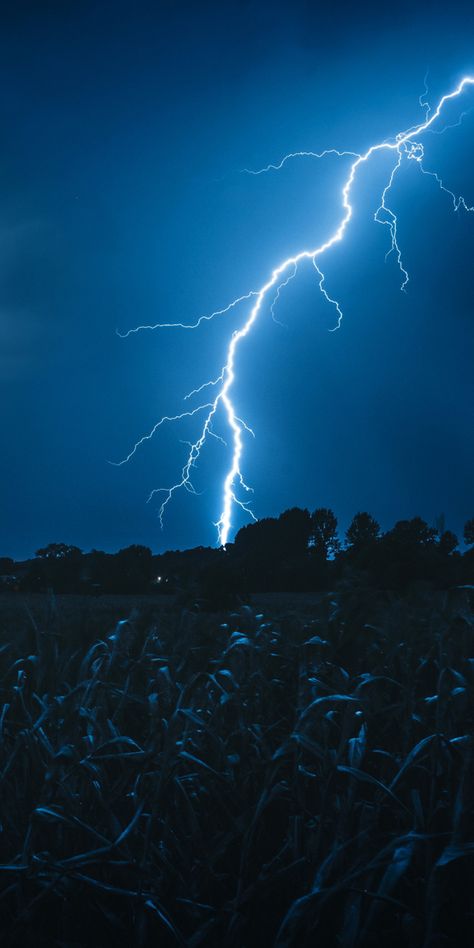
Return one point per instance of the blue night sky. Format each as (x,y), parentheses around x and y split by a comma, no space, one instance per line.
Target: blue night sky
(125,127)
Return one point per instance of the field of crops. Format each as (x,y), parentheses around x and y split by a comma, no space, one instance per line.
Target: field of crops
(293,773)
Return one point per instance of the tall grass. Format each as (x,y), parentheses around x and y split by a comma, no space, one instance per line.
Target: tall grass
(241,780)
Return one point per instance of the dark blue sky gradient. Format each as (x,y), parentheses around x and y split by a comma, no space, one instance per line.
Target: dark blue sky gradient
(124,128)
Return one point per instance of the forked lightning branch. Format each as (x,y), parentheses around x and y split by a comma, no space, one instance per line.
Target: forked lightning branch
(406,146)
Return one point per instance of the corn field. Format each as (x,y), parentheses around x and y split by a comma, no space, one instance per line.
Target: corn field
(241,779)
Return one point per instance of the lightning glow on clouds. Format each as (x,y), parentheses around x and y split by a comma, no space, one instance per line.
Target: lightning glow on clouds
(405,147)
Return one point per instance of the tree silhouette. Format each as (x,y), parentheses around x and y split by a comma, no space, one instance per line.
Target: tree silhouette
(362,531)
(134,568)
(412,534)
(407,553)
(469,532)
(294,530)
(273,553)
(58,567)
(7,565)
(448,542)
(323,537)
(58,551)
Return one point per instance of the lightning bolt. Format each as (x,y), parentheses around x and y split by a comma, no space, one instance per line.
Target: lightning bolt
(405,147)
(423,100)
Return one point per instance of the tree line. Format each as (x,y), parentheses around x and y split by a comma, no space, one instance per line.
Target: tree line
(297,551)
(302,551)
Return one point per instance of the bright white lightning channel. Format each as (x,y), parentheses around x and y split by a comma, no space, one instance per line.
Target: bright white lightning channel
(405,147)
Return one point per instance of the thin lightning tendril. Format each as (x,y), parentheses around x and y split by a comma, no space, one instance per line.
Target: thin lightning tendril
(277,296)
(423,100)
(457,201)
(390,220)
(195,391)
(328,298)
(202,319)
(302,154)
(148,437)
(406,148)
(441,131)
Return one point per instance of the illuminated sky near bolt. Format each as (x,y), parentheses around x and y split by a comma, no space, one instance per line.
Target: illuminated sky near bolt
(125,205)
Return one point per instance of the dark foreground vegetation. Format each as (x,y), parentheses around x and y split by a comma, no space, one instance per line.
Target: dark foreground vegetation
(238,779)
